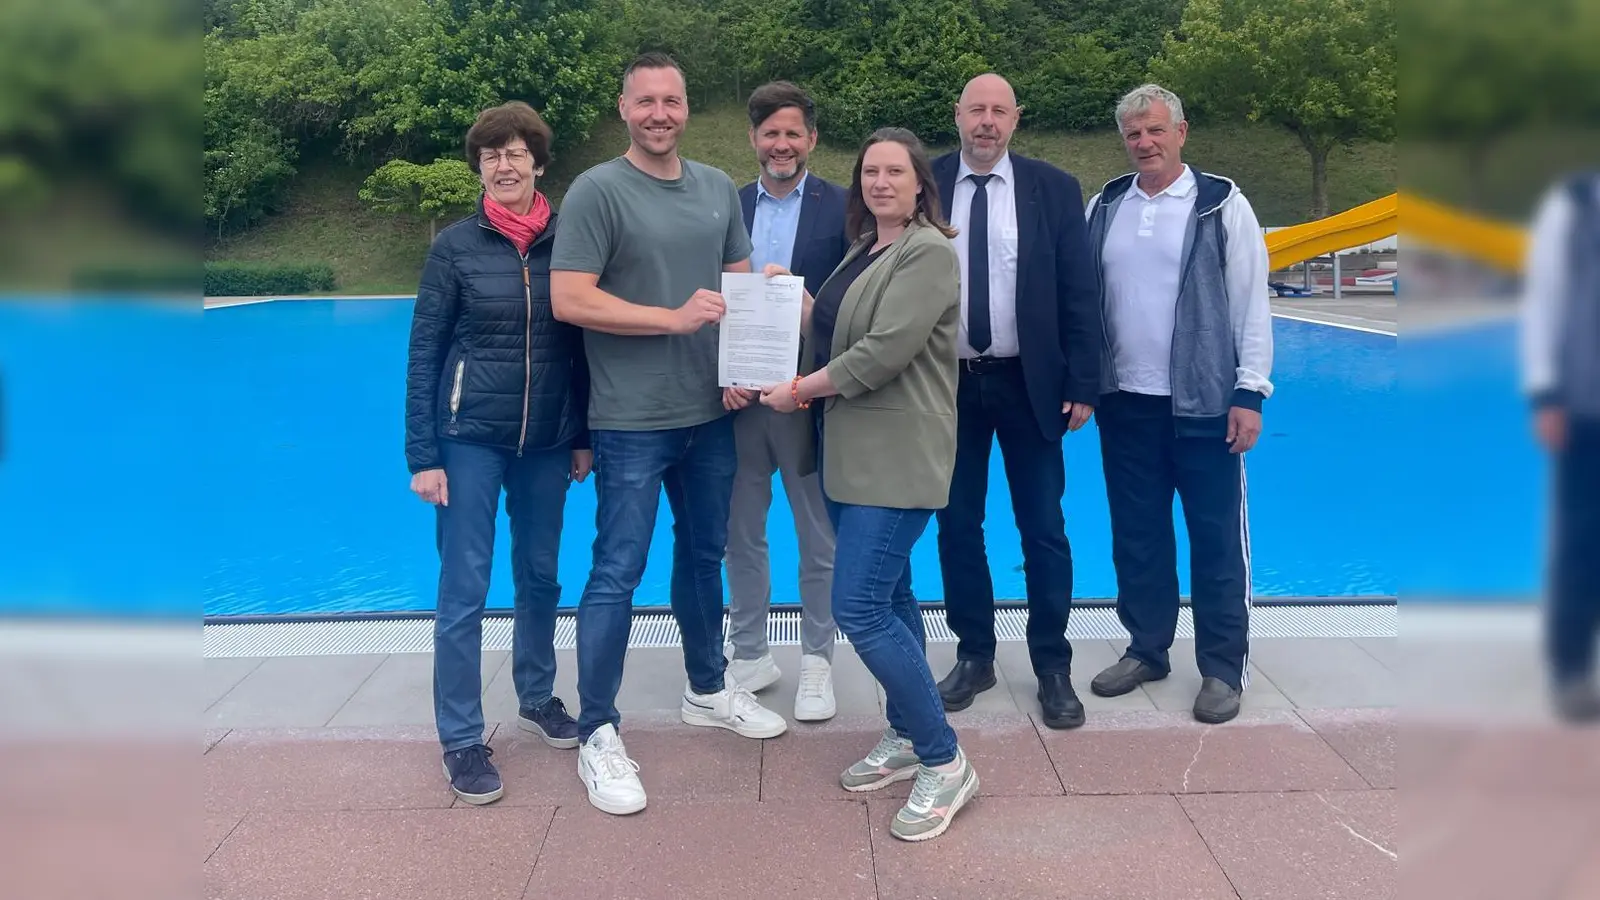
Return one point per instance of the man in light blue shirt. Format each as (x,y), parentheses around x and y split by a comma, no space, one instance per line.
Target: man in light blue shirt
(796,220)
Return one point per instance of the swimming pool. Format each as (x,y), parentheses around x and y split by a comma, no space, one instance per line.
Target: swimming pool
(263,473)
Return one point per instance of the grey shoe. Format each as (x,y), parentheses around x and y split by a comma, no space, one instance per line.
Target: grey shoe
(1122,677)
(891,761)
(1216,703)
(935,799)
(1578,702)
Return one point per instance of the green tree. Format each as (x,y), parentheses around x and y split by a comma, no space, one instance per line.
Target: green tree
(1480,71)
(427,87)
(1323,69)
(442,187)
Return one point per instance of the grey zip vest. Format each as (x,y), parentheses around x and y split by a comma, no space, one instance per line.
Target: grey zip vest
(1204,363)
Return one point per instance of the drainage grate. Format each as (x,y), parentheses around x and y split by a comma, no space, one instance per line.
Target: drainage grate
(783,628)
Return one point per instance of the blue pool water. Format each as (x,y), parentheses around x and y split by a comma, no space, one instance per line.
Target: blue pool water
(249,461)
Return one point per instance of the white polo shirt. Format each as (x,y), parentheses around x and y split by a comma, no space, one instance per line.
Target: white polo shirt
(1143,261)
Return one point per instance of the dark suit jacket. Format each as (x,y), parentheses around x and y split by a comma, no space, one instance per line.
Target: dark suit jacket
(819,241)
(1059,329)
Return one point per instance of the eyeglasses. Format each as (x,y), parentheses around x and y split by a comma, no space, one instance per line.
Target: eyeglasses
(516,155)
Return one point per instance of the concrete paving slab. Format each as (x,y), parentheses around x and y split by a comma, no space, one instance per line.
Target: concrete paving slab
(220,675)
(213,736)
(1162,752)
(652,679)
(1085,848)
(326,768)
(67,852)
(1468,844)
(292,691)
(800,850)
(1584,882)
(217,828)
(676,762)
(1344,845)
(400,691)
(1554,760)
(485,854)
(1365,738)
(1384,650)
(1324,672)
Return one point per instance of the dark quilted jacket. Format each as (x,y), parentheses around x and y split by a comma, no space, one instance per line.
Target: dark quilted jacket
(488,362)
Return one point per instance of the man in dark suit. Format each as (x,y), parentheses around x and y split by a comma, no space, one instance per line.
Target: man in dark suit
(1030,368)
(795,219)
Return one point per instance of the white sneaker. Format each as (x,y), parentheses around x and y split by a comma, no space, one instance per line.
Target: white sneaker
(733,708)
(754,674)
(814,701)
(611,777)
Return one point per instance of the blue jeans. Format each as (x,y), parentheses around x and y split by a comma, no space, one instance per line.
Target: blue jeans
(536,491)
(696,466)
(874,606)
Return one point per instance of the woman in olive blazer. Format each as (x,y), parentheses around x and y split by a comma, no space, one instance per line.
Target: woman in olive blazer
(882,332)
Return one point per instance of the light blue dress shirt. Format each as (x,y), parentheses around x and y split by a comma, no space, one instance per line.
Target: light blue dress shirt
(772,228)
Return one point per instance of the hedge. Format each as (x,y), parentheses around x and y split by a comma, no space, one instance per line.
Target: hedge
(232,279)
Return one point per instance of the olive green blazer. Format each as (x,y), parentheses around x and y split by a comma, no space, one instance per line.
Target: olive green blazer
(890,433)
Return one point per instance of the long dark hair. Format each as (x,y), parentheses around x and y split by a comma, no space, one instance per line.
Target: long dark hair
(859,220)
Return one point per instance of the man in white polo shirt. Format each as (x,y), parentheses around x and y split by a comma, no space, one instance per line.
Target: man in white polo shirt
(1182,279)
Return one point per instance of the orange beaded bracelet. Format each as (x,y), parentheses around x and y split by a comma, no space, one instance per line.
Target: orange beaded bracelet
(794,391)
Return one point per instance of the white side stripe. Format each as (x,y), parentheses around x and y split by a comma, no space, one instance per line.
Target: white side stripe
(1249,585)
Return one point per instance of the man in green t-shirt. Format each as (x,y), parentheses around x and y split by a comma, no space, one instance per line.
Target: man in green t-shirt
(637,263)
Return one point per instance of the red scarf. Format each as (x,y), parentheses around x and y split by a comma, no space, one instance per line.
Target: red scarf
(524,229)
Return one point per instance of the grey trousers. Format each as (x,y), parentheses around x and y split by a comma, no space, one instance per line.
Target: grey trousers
(769,442)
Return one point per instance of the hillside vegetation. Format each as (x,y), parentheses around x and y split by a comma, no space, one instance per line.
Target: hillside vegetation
(321,219)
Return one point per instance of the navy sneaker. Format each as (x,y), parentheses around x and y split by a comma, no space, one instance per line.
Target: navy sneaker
(551,723)
(472,776)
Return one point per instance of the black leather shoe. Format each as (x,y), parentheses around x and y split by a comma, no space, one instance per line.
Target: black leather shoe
(1122,677)
(1216,703)
(965,682)
(1062,708)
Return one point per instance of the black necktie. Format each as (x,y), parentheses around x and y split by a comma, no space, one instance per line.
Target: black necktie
(978,266)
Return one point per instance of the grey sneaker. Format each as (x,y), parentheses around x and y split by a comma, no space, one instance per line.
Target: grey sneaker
(891,761)
(935,799)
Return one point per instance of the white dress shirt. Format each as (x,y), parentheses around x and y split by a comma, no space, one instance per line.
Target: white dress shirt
(1143,265)
(1544,291)
(1002,196)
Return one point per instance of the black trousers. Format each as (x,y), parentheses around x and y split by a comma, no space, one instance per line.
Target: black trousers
(990,405)
(1145,463)
(1573,613)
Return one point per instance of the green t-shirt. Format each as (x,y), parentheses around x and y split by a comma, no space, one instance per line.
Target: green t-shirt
(652,242)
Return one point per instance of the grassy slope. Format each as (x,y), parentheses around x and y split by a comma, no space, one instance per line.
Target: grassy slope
(380,253)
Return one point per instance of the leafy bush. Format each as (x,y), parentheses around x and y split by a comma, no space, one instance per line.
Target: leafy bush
(232,279)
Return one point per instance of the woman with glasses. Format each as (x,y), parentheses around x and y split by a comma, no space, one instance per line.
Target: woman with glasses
(496,399)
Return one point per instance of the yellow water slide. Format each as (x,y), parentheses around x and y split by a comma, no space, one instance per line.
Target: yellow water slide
(1427,223)
(1352,228)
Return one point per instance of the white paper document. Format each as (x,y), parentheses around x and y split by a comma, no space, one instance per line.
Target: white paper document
(759,339)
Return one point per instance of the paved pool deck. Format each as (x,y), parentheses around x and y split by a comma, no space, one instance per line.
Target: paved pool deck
(321,778)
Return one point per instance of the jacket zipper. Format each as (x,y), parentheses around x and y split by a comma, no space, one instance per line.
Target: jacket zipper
(527,337)
(527,353)
(455,392)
